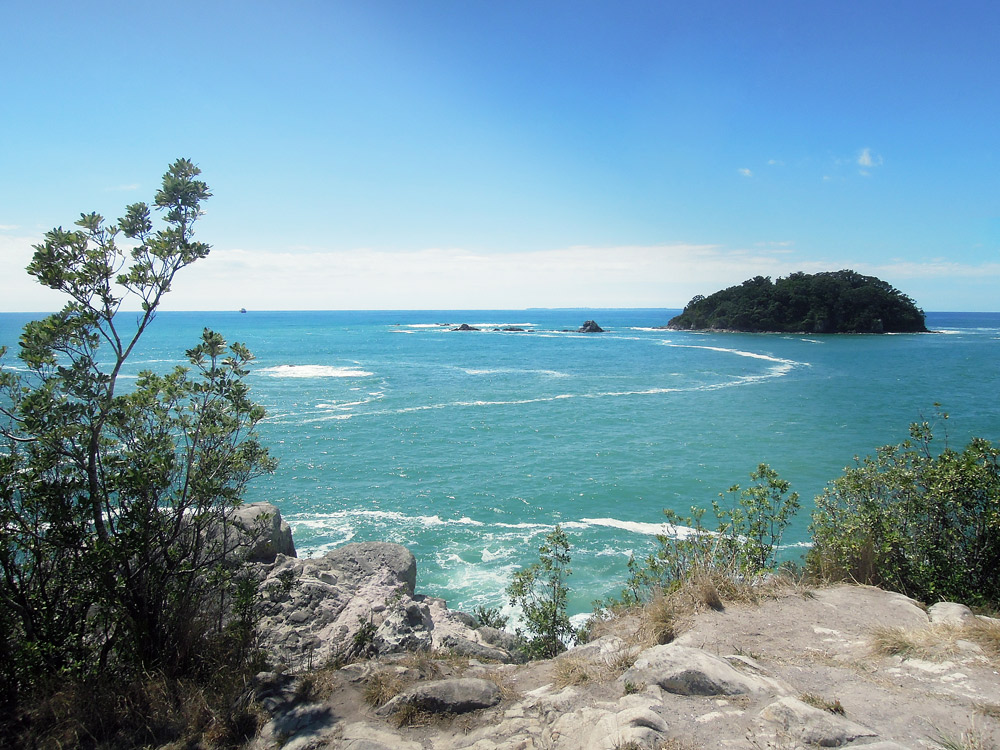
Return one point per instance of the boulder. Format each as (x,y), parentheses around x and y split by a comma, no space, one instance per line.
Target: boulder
(465,327)
(454,696)
(691,671)
(814,726)
(265,530)
(949,613)
(361,561)
(590,327)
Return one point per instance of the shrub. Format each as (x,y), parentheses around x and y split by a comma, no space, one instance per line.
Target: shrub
(924,524)
(541,592)
(742,548)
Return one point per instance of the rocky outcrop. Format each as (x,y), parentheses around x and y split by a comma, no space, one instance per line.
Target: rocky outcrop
(264,531)
(358,601)
(692,671)
(455,696)
(590,327)
(465,327)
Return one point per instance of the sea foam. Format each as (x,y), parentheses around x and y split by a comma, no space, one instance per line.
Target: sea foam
(314,371)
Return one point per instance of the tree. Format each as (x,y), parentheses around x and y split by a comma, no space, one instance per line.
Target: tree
(541,592)
(754,522)
(115,553)
(912,520)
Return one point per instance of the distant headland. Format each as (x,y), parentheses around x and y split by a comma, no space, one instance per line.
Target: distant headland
(827,302)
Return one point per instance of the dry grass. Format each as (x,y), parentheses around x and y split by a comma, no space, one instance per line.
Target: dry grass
(971,739)
(381,688)
(569,671)
(507,690)
(938,641)
(818,701)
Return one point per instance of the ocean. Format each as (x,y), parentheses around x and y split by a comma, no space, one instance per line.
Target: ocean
(468,447)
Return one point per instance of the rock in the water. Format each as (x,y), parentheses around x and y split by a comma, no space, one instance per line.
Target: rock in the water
(465,327)
(691,671)
(447,696)
(812,725)
(264,528)
(591,327)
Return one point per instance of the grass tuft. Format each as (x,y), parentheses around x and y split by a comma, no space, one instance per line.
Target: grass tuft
(381,688)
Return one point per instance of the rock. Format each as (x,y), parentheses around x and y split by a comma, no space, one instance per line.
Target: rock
(265,529)
(512,329)
(949,613)
(590,327)
(465,327)
(691,671)
(811,725)
(404,628)
(459,695)
(362,560)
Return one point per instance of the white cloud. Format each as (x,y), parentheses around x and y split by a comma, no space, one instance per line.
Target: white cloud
(456,278)
(867,159)
(8,227)
(122,188)
(745,172)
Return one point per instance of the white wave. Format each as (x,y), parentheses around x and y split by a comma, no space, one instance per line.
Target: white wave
(314,371)
(327,520)
(516,371)
(638,527)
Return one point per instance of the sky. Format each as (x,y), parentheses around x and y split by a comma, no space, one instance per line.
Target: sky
(474,154)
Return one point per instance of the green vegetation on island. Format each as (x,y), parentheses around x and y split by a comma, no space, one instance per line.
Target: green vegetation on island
(828,302)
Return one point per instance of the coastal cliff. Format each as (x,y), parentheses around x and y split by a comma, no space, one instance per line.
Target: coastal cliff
(362,661)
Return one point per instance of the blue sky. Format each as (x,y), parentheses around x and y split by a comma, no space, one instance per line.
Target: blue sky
(474,154)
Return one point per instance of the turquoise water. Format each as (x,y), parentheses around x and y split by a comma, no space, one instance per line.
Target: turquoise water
(469,447)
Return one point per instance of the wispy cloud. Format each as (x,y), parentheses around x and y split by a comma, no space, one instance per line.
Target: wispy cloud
(745,172)
(122,188)
(8,227)
(866,160)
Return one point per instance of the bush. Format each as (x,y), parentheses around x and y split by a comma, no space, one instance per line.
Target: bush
(742,548)
(541,592)
(922,524)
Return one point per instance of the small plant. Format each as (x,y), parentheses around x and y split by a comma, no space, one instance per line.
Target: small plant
(572,672)
(631,688)
(286,579)
(540,591)
(381,688)
(820,702)
(489,617)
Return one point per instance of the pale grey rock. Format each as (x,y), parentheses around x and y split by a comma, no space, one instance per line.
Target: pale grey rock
(363,560)
(457,696)
(356,601)
(949,613)
(810,724)
(691,671)
(262,530)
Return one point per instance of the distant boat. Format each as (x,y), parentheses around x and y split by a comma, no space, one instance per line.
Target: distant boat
(243,310)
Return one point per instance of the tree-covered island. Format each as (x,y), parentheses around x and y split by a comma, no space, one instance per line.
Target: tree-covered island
(828,302)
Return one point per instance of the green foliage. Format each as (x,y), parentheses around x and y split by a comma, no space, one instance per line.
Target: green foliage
(116,553)
(830,302)
(923,523)
(752,525)
(540,591)
(742,548)
(489,617)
